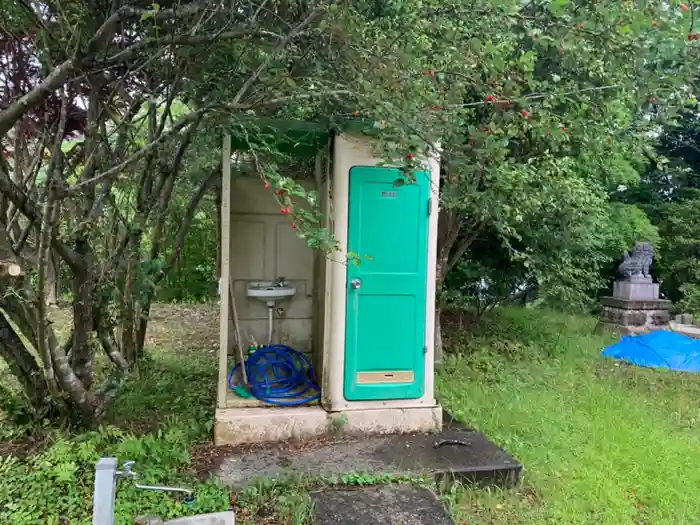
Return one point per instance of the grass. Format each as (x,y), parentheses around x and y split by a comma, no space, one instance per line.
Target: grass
(602,443)
(161,420)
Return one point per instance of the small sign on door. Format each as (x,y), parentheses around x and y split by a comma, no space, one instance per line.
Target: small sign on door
(390,194)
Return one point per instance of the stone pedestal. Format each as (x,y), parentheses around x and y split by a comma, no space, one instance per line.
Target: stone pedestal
(635,306)
(634,316)
(636,290)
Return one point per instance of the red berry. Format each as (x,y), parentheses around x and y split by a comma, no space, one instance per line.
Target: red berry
(294,226)
(409,156)
(284,211)
(489,98)
(267,184)
(278,192)
(684,8)
(692,36)
(524,113)
(356,113)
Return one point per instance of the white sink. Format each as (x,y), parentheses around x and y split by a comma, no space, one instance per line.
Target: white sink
(269,291)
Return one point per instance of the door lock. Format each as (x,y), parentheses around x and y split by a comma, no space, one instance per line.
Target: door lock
(355,283)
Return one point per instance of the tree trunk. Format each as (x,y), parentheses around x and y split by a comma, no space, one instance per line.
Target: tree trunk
(439,281)
(81,355)
(105,333)
(22,364)
(448,231)
(127,314)
(455,236)
(439,350)
(144,313)
(51,282)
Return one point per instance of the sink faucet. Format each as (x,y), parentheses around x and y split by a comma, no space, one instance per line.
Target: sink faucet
(126,472)
(104,496)
(280,282)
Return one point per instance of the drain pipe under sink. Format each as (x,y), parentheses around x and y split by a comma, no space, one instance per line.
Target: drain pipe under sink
(270,320)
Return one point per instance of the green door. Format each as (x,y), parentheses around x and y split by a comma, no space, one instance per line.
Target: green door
(386,292)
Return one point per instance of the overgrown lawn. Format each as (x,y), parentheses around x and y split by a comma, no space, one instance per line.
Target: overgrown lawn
(602,443)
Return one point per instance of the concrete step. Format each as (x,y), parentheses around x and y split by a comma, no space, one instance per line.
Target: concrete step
(382,505)
(454,452)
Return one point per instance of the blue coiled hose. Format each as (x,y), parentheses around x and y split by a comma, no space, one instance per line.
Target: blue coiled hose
(278,372)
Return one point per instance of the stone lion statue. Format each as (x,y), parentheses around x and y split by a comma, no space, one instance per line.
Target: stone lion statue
(636,263)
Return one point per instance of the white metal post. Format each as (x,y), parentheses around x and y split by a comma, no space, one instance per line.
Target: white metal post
(224,280)
(105,492)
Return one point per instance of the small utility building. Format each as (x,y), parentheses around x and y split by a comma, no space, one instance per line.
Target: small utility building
(366,329)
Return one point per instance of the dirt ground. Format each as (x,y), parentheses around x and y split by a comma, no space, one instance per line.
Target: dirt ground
(171,327)
(184,328)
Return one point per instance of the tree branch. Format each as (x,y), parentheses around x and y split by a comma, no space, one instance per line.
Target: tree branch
(127,11)
(167,190)
(60,74)
(467,240)
(291,98)
(283,43)
(27,206)
(182,40)
(138,155)
(36,96)
(31,175)
(187,219)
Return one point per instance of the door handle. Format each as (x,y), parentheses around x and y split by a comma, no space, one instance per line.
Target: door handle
(355,283)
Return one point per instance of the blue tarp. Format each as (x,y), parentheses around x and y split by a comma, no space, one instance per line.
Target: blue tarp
(660,349)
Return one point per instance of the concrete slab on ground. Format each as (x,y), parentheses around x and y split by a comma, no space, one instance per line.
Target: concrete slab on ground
(383,505)
(686,329)
(453,452)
